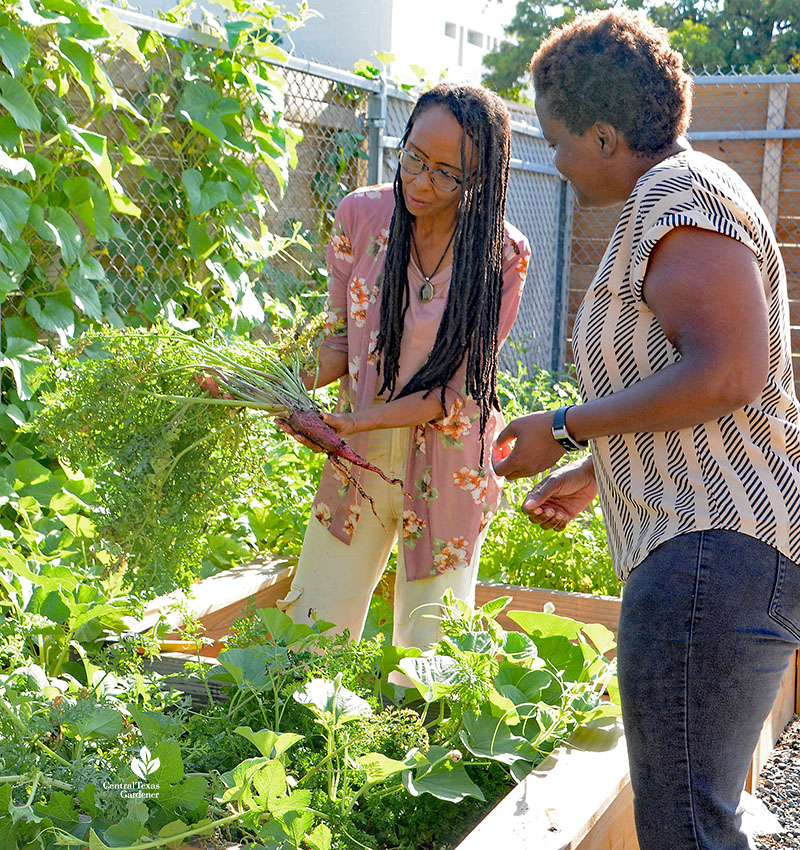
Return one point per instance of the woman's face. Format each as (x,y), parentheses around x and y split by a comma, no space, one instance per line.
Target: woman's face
(435,139)
(577,158)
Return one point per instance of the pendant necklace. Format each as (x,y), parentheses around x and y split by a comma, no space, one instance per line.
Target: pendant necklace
(426,290)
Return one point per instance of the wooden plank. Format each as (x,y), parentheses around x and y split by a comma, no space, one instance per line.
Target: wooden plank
(793,107)
(795,336)
(220,599)
(787,229)
(580,276)
(782,712)
(773,153)
(615,829)
(218,623)
(739,107)
(173,664)
(585,607)
(589,250)
(791,260)
(580,790)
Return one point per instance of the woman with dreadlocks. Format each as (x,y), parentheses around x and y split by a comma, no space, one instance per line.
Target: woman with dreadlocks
(425,279)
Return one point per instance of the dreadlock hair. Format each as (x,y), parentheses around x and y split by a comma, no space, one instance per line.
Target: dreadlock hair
(470,321)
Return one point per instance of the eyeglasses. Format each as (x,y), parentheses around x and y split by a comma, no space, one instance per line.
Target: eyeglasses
(411,163)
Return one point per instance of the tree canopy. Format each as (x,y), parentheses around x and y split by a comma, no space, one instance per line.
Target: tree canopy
(729,34)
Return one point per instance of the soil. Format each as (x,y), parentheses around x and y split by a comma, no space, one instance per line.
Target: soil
(779,790)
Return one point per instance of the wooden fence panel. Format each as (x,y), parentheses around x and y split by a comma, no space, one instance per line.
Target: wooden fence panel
(725,108)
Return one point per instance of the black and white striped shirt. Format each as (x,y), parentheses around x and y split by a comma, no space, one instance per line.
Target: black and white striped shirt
(740,472)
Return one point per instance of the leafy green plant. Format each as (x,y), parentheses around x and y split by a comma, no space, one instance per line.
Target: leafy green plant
(76,152)
(166,456)
(316,756)
(130,181)
(516,551)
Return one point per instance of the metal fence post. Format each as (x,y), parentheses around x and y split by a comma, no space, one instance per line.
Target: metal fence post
(376,122)
(559,302)
(773,153)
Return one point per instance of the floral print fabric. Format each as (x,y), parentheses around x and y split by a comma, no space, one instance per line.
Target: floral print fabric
(450,495)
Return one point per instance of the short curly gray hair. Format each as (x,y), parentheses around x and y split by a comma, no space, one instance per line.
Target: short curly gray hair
(618,67)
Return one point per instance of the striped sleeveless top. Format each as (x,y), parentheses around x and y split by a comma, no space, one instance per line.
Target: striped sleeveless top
(740,472)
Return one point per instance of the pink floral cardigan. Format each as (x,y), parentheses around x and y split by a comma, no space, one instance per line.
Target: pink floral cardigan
(450,496)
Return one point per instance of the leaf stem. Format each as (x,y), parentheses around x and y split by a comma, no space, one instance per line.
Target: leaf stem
(45,780)
(17,724)
(67,840)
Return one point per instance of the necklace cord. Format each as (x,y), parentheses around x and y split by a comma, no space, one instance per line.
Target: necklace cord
(428,277)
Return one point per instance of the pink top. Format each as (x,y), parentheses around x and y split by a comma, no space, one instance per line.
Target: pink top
(450,496)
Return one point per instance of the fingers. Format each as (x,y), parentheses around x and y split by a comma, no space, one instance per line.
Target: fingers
(342,423)
(507,435)
(287,429)
(503,458)
(502,449)
(207,383)
(332,420)
(544,490)
(533,448)
(547,516)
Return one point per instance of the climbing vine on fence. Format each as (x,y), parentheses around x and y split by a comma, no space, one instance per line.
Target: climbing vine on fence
(115,144)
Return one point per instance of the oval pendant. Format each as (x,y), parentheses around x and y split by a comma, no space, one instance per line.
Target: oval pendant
(426,291)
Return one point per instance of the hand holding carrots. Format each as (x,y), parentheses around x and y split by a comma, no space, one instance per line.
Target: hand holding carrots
(342,423)
(207,383)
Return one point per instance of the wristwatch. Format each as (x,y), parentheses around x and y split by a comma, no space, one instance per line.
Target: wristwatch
(560,433)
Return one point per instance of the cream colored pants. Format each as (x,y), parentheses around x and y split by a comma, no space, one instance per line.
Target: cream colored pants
(335,582)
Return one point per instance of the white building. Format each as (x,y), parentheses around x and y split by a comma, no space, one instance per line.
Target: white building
(446,38)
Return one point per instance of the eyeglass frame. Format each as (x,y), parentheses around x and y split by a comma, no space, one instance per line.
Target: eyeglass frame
(425,167)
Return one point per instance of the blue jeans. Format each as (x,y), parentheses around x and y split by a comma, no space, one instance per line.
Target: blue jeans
(709,622)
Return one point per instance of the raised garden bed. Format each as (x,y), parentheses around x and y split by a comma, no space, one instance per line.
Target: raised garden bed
(579,798)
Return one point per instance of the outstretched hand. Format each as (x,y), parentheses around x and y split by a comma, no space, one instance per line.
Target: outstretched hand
(525,447)
(557,499)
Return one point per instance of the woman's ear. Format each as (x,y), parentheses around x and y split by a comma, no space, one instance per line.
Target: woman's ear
(606,137)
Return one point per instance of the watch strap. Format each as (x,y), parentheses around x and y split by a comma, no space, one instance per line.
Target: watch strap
(560,433)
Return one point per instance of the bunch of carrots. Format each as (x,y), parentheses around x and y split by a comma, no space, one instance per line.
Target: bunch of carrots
(131,408)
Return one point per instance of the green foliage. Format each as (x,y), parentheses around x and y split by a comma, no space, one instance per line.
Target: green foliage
(532,21)
(122,207)
(165,455)
(742,36)
(74,151)
(296,753)
(727,34)
(517,551)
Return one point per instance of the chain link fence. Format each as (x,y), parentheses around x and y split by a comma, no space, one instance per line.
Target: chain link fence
(351,127)
(750,122)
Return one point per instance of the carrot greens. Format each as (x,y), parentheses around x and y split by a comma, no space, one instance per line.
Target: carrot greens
(166,456)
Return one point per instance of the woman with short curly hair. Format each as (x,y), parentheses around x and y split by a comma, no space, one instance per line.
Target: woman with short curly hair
(682,352)
(603,73)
